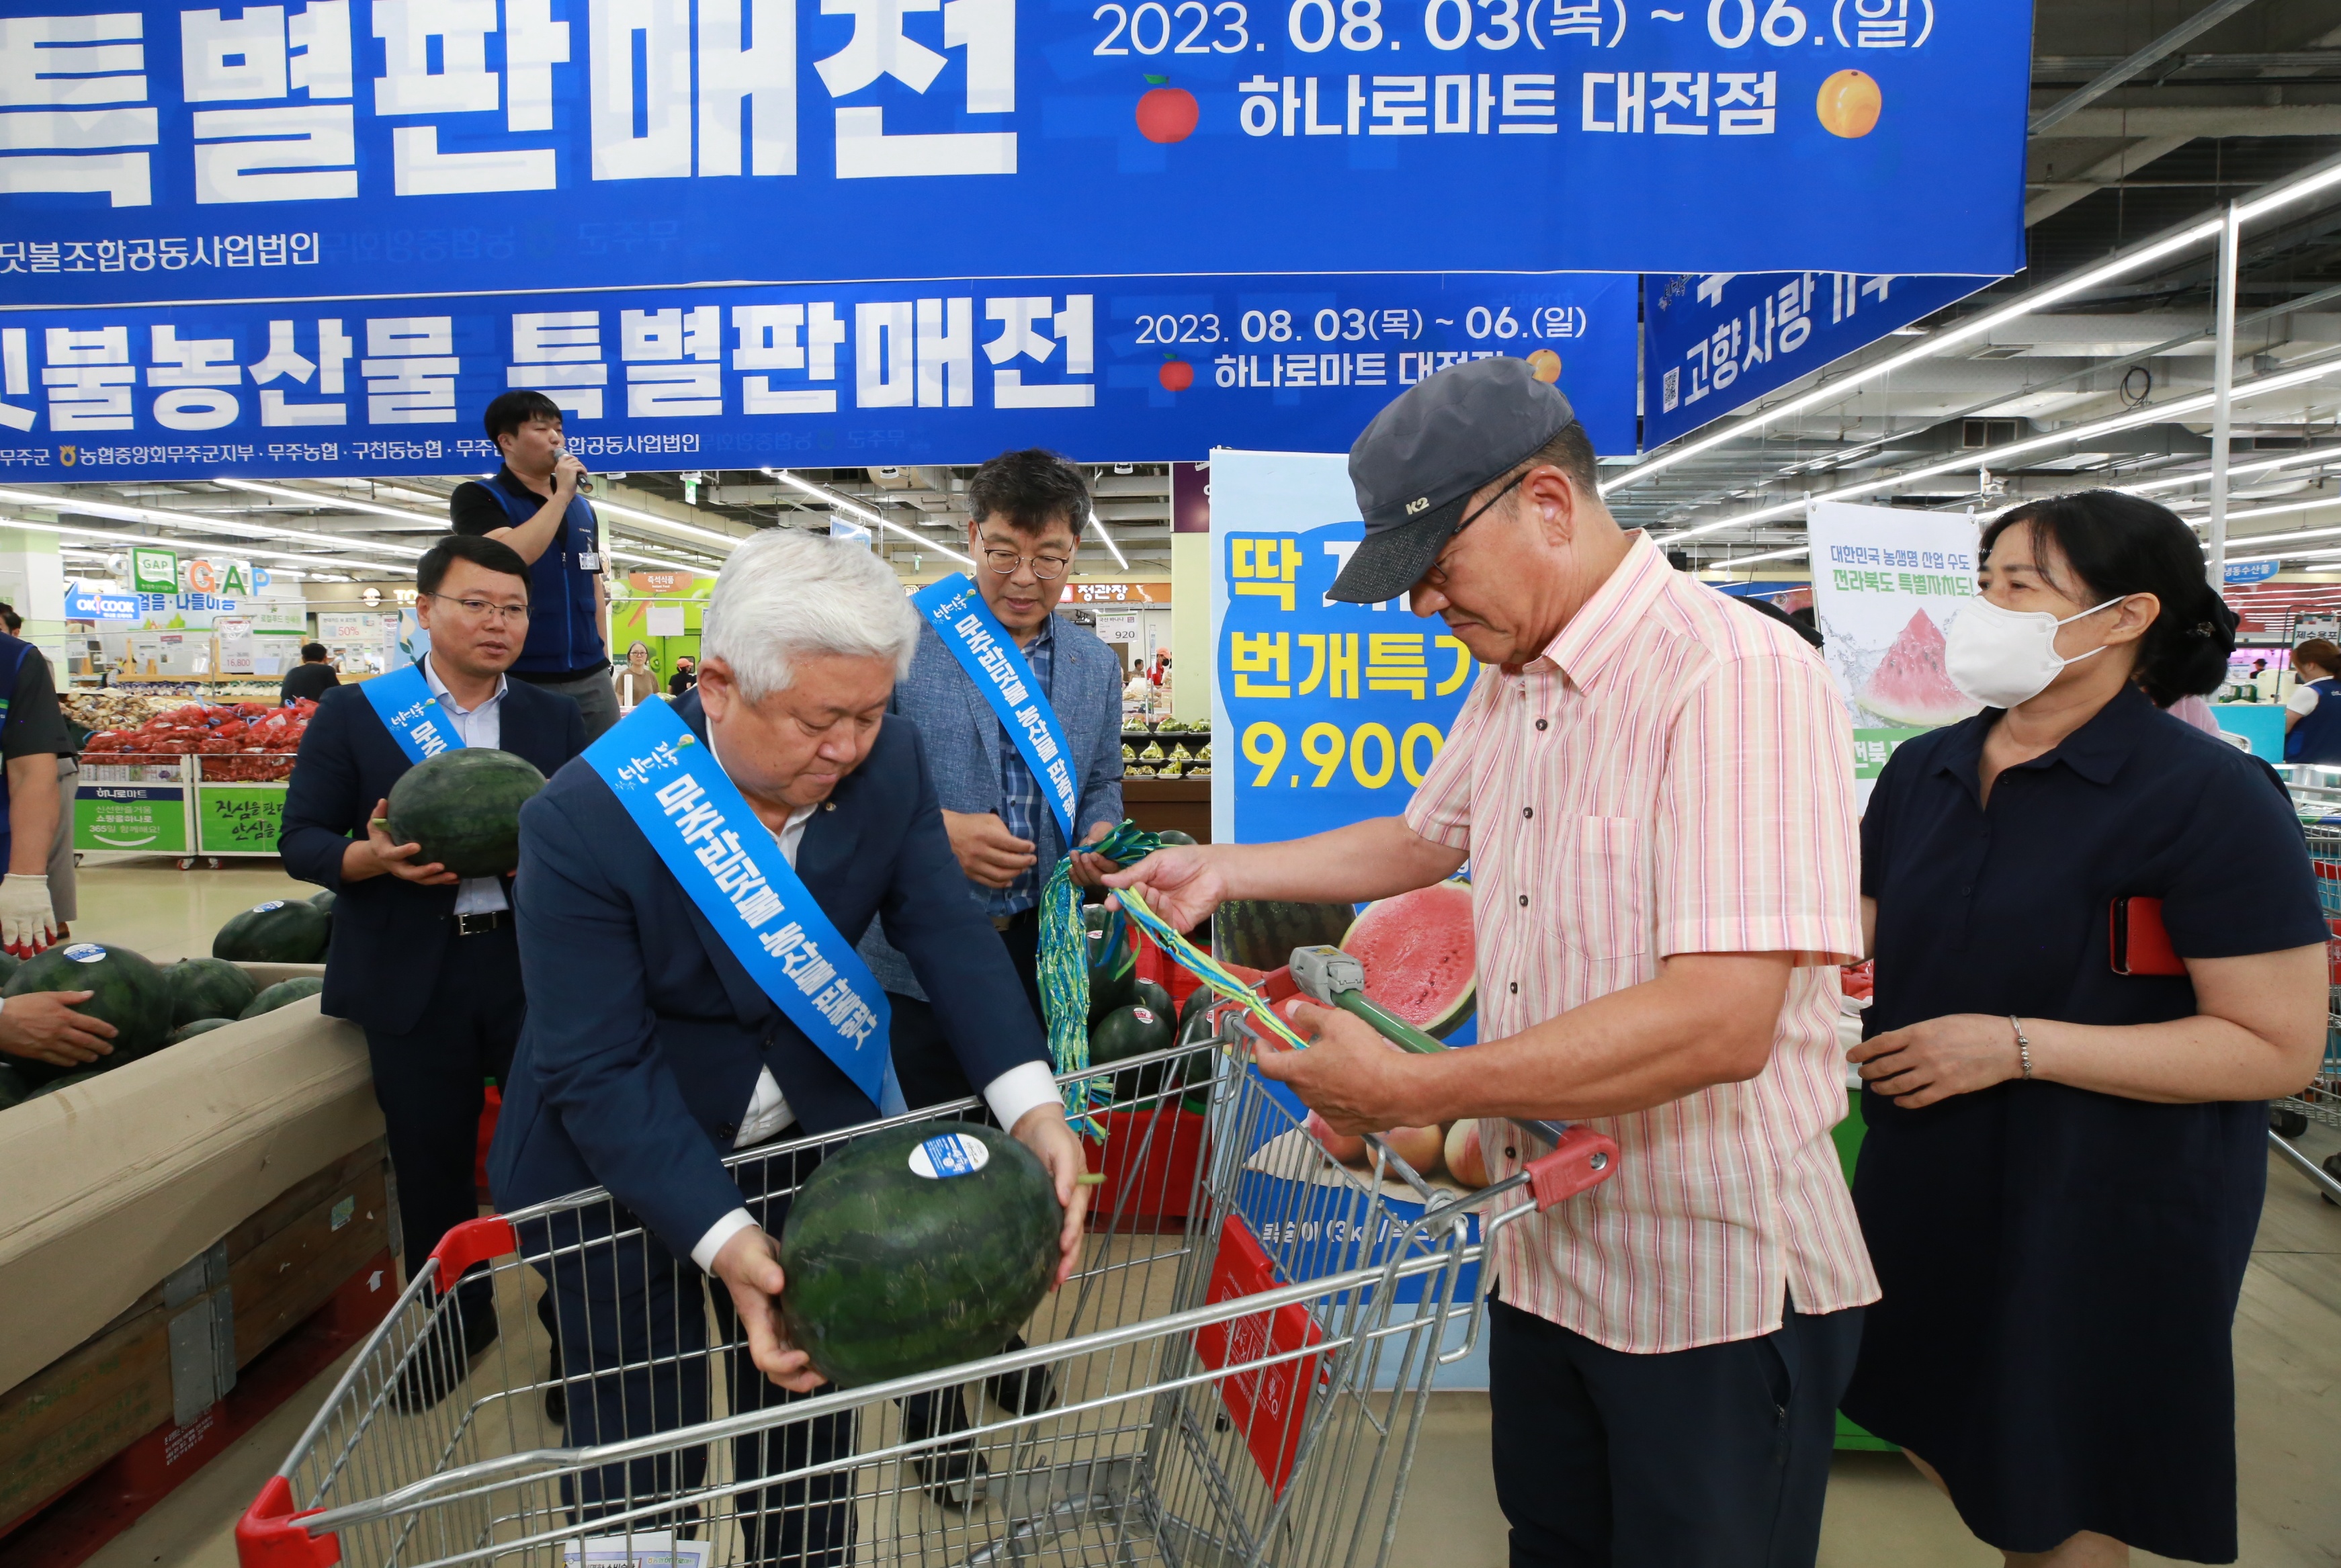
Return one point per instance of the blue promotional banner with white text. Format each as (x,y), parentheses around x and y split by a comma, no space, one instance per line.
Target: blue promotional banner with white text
(309,148)
(1718,342)
(819,376)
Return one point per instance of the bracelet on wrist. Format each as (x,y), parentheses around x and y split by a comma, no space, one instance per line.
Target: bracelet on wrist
(2023,1046)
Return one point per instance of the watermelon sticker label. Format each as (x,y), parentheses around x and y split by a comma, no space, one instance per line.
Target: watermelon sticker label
(272,904)
(86,953)
(948,1155)
(1144,1015)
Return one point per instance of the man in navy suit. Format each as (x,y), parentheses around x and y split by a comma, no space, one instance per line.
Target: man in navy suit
(652,1051)
(428,965)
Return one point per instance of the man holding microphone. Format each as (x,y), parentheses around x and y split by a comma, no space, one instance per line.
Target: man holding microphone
(1653,791)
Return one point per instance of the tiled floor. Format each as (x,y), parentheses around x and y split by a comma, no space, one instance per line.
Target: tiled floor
(2288,1356)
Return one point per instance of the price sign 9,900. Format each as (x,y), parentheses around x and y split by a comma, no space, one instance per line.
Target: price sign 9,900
(1373,753)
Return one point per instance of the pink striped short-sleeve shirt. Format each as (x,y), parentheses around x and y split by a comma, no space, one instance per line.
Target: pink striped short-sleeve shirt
(1673,775)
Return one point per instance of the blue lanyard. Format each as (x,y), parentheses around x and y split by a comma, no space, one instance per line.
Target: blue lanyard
(991,659)
(695,818)
(403,701)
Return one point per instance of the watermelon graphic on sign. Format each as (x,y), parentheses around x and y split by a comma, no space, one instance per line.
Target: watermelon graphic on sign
(1909,685)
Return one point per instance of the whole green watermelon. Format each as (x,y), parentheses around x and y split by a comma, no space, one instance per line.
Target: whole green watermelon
(67,1082)
(189,1030)
(324,900)
(1112,961)
(1133,1031)
(279,994)
(208,989)
(279,931)
(463,808)
(128,992)
(1260,933)
(8,962)
(917,1247)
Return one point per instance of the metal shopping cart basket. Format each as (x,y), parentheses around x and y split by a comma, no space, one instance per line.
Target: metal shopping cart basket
(1234,1376)
(2316,795)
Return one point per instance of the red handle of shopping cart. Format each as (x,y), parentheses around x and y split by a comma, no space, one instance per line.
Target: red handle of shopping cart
(271,1534)
(1581,1159)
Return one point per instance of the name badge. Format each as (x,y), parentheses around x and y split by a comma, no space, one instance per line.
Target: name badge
(589,560)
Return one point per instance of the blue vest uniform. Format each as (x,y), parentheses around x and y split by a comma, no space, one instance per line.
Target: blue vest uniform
(2317,737)
(565,633)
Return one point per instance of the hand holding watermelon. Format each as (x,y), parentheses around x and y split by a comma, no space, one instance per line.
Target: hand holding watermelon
(1042,1130)
(380,853)
(42,1027)
(750,1265)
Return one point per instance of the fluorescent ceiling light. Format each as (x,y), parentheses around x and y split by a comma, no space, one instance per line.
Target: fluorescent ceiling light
(334,504)
(1098,524)
(127,541)
(851,509)
(1747,559)
(2234,517)
(2203,476)
(161,518)
(728,541)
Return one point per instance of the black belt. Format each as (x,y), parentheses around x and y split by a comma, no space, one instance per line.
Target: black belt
(486,920)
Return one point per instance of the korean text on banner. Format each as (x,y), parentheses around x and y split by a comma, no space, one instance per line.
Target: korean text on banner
(1721,340)
(1886,585)
(1323,713)
(745,377)
(180,151)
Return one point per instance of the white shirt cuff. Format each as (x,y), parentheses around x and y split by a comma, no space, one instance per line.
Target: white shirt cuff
(722,1231)
(1018,1089)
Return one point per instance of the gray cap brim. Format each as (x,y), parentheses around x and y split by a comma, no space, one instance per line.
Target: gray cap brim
(1388,563)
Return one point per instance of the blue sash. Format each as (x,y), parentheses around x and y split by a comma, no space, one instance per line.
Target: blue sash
(990,658)
(403,701)
(729,866)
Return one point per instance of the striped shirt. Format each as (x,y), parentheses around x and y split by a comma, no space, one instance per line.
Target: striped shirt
(1674,774)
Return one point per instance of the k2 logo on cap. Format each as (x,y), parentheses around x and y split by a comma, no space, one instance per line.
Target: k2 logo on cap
(1420,504)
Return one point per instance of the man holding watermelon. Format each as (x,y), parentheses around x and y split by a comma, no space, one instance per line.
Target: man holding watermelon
(1653,791)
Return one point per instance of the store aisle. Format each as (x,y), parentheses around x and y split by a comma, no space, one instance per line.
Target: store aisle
(2287,1356)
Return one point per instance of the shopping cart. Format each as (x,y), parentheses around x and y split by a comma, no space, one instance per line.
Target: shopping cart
(1234,1376)
(2316,795)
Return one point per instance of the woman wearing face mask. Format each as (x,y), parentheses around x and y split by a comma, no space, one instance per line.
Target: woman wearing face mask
(2064,1165)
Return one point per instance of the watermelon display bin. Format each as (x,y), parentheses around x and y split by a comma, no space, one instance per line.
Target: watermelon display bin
(1244,1387)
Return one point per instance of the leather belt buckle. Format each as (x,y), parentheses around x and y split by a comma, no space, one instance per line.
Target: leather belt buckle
(487,921)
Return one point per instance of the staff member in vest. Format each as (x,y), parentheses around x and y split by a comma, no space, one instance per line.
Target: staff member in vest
(665,1030)
(532,505)
(2312,716)
(1655,790)
(428,965)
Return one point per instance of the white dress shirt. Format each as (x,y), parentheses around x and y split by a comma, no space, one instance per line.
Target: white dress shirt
(1010,1095)
(481,726)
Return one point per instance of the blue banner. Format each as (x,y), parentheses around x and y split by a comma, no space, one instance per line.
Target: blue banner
(1719,341)
(741,377)
(993,661)
(696,818)
(401,700)
(312,148)
(1325,712)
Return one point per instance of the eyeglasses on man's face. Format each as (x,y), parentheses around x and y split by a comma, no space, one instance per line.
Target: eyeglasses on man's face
(1047,568)
(481,610)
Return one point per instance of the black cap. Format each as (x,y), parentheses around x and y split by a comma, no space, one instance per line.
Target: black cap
(1421,458)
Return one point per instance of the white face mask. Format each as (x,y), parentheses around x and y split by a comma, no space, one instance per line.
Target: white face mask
(2000,658)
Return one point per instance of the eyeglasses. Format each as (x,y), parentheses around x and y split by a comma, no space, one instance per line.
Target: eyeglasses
(1047,568)
(1436,574)
(481,610)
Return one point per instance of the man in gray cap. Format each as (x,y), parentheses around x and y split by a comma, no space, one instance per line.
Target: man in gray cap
(1655,792)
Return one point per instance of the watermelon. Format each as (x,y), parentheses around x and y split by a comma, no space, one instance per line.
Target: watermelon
(1195,1030)
(1112,962)
(1146,992)
(14,1086)
(130,993)
(281,931)
(8,962)
(917,1247)
(189,1030)
(1260,933)
(1910,687)
(1417,952)
(324,900)
(67,1082)
(1129,1032)
(207,988)
(1170,836)
(463,808)
(279,994)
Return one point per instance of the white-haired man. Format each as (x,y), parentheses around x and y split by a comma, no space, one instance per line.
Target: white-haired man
(694,887)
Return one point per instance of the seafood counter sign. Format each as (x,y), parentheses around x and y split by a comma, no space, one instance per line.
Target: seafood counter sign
(1886,585)
(309,149)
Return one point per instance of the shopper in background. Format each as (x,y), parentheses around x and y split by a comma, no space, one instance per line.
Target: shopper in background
(685,676)
(310,678)
(428,965)
(2064,1165)
(64,875)
(532,505)
(37,752)
(1655,791)
(636,679)
(2312,718)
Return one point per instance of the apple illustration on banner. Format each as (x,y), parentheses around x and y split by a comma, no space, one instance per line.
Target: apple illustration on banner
(1175,375)
(1167,113)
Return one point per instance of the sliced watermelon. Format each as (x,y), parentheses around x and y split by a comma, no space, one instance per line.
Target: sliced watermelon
(1910,687)
(1418,954)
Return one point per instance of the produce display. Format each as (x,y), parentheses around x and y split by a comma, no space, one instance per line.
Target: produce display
(189,1030)
(915,1248)
(279,931)
(248,742)
(463,808)
(280,994)
(208,989)
(128,992)
(1418,954)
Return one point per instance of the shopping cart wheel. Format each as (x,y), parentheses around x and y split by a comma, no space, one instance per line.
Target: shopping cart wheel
(2333,1169)
(2285,1122)
(186,862)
